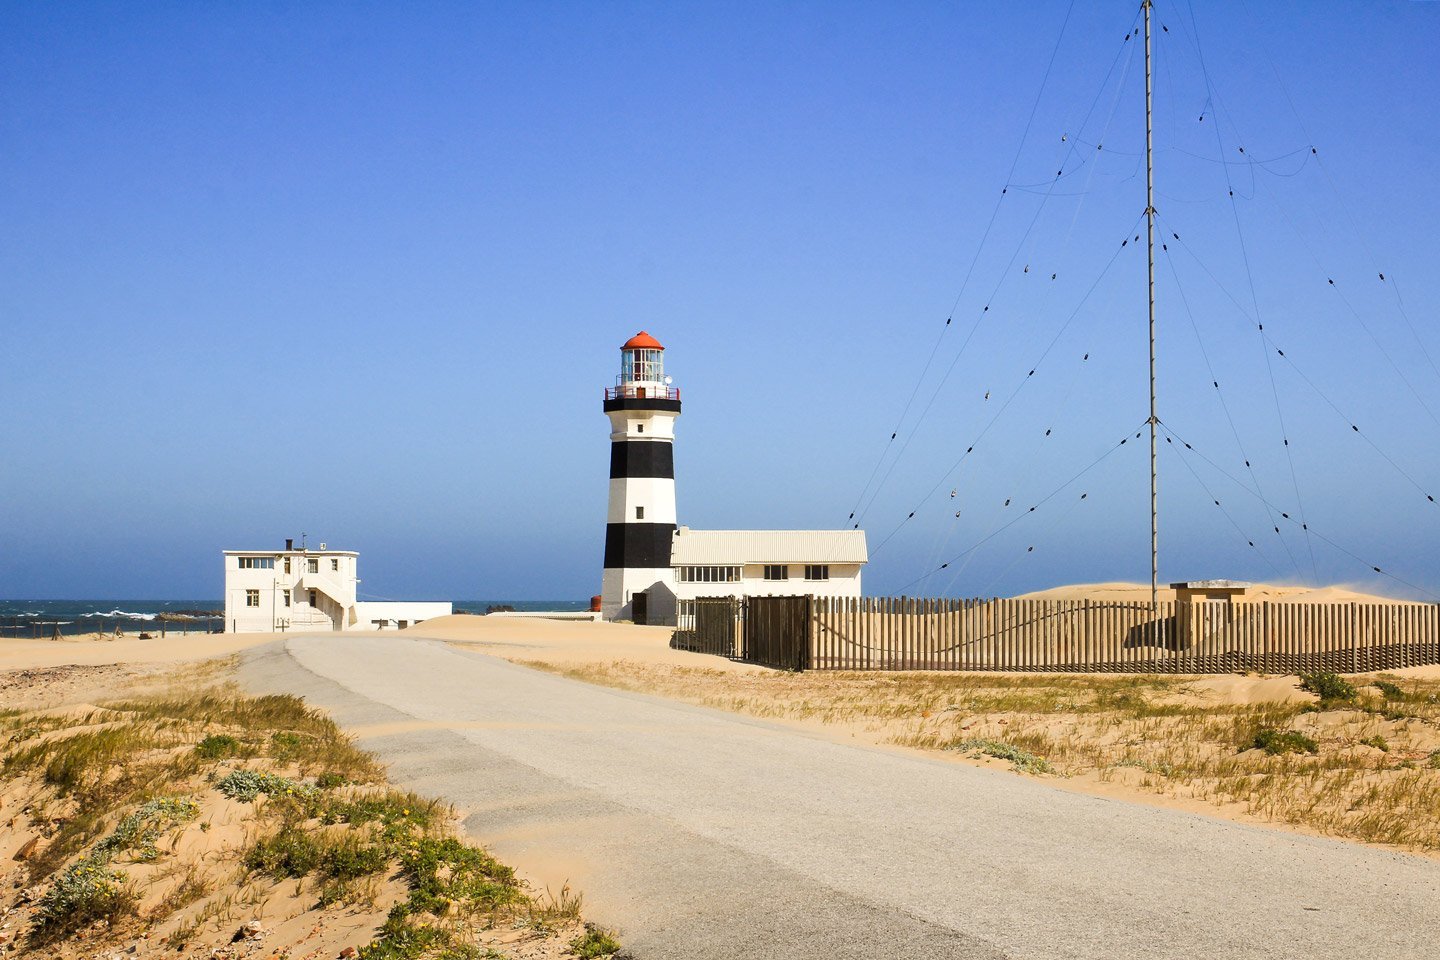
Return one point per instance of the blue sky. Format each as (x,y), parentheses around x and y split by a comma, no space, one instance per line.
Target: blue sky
(362,270)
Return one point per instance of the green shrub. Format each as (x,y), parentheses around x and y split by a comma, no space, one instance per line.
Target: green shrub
(1022,760)
(401,940)
(138,832)
(86,892)
(90,889)
(285,744)
(1390,691)
(217,745)
(1276,742)
(594,943)
(289,853)
(246,785)
(1378,742)
(447,870)
(352,857)
(1329,687)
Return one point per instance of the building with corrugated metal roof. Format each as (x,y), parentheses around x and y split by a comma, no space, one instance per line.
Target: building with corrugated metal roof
(767,563)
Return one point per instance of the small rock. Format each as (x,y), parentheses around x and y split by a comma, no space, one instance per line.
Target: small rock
(28,850)
(347,953)
(251,930)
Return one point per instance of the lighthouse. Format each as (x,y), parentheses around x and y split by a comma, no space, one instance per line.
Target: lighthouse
(639,581)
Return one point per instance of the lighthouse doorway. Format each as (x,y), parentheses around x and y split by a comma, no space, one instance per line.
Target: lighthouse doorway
(640,608)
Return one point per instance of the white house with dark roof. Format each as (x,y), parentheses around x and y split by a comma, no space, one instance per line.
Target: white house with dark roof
(761,563)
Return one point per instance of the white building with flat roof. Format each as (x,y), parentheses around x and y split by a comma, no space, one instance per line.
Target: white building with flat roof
(767,563)
(281,591)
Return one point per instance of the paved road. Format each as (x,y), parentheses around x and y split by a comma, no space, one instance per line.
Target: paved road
(698,834)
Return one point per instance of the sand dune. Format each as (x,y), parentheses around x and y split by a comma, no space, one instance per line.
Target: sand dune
(1272,592)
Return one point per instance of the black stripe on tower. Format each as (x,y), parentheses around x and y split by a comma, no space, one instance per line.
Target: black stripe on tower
(638,545)
(641,403)
(642,458)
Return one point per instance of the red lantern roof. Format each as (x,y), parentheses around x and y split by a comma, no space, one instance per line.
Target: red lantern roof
(642,341)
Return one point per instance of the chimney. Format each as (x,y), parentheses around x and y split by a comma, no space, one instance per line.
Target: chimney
(289,544)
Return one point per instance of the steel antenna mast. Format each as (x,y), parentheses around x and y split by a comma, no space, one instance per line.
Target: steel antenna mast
(1150,248)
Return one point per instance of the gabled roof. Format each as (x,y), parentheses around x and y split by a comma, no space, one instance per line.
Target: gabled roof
(730,547)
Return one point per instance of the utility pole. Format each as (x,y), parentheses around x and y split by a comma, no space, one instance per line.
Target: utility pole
(1150,248)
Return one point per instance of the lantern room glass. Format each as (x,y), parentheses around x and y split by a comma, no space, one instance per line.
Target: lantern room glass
(642,366)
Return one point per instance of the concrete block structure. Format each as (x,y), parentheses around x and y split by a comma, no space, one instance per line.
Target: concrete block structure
(281,591)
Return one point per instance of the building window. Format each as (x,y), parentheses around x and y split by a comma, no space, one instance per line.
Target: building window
(257,563)
(314,565)
(639,513)
(312,598)
(817,571)
(252,598)
(709,574)
(777,571)
(639,428)
(287,597)
(335,565)
(287,564)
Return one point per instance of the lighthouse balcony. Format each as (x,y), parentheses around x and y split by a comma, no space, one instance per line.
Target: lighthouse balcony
(636,391)
(635,396)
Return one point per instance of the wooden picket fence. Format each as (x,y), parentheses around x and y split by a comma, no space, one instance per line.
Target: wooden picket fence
(709,625)
(901,633)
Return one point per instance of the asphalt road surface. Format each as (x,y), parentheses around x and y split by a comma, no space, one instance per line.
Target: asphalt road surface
(699,834)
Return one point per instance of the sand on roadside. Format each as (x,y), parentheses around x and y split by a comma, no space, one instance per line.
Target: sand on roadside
(566,641)
(88,650)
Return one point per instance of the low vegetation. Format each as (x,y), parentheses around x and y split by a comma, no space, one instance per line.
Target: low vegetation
(127,803)
(1022,760)
(1357,758)
(1276,742)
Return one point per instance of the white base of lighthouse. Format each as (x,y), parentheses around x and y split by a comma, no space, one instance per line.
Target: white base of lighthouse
(618,587)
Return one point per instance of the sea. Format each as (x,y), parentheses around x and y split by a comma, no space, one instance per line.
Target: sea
(41,618)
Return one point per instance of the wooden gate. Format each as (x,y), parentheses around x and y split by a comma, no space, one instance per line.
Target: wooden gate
(707,625)
(777,632)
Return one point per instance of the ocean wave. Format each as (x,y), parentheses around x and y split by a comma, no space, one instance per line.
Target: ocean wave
(121,613)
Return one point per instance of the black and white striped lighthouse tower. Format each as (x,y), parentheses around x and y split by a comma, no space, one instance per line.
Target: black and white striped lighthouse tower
(642,406)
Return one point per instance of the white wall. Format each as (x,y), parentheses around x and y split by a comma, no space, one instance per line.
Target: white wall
(333,582)
(655,494)
(642,424)
(844,582)
(618,588)
(396,614)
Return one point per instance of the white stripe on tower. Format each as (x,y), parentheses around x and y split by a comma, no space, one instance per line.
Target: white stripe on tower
(638,582)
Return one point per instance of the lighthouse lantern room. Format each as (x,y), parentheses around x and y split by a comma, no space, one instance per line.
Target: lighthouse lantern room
(638,582)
